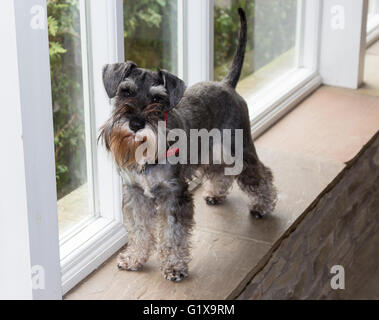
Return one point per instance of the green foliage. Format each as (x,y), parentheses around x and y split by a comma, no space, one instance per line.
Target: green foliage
(66,78)
(150,33)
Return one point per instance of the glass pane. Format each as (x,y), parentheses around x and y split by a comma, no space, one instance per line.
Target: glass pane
(271,40)
(68,112)
(151,33)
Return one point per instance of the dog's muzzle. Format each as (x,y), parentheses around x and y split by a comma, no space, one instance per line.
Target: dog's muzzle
(136,124)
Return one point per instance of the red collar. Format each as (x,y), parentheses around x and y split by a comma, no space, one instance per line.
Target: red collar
(171,151)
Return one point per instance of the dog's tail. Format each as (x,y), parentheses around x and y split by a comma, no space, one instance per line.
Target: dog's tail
(235,70)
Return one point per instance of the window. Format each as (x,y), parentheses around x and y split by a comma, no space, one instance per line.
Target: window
(72,136)
(89,202)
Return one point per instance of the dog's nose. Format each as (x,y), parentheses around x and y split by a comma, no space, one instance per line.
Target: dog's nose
(136,124)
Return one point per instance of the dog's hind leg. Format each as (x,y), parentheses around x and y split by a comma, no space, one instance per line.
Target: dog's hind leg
(139,218)
(217,188)
(175,206)
(257,181)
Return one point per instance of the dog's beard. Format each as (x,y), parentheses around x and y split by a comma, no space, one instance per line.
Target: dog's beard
(129,148)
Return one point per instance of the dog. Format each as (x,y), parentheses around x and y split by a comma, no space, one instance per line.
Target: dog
(157,203)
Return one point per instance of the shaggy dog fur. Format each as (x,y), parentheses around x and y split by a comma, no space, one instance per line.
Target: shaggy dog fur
(157,205)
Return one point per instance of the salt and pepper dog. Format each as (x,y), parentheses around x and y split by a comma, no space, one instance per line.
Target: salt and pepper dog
(157,204)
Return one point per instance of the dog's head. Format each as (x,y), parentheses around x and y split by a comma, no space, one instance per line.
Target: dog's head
(141,98)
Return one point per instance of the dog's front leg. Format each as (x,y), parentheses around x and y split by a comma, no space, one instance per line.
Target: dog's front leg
(139,218)
(175,205)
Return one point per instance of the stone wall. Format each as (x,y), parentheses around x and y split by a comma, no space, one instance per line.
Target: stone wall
(341,229)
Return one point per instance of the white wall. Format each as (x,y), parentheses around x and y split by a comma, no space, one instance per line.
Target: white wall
(343,42)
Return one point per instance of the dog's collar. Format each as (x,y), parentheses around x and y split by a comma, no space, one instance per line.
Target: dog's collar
(170,151)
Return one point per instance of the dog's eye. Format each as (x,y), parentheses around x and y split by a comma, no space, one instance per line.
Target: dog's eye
(157,99)
(127,92)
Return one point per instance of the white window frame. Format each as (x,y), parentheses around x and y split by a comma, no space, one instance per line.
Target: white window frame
(195,45)
(373,23)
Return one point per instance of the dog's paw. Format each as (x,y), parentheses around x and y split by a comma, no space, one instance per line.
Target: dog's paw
(214,201)
(127,263)
(175,275)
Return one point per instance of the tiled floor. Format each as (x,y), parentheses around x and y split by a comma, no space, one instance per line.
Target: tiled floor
(306,150)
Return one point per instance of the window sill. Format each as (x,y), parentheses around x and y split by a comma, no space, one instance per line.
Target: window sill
(98,240)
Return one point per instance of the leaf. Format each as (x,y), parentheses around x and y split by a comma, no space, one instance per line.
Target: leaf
(52,26)
(151,18)
(162,3)
(56,49)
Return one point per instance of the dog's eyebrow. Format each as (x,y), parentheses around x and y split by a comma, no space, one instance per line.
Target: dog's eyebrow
(158,91)
(129,84)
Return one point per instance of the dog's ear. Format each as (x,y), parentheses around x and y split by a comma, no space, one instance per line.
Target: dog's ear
(114,74)
(174,86)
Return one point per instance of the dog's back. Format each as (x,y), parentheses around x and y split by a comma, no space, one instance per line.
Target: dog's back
(208,105)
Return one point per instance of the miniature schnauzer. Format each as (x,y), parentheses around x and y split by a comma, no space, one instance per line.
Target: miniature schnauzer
(156,196)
